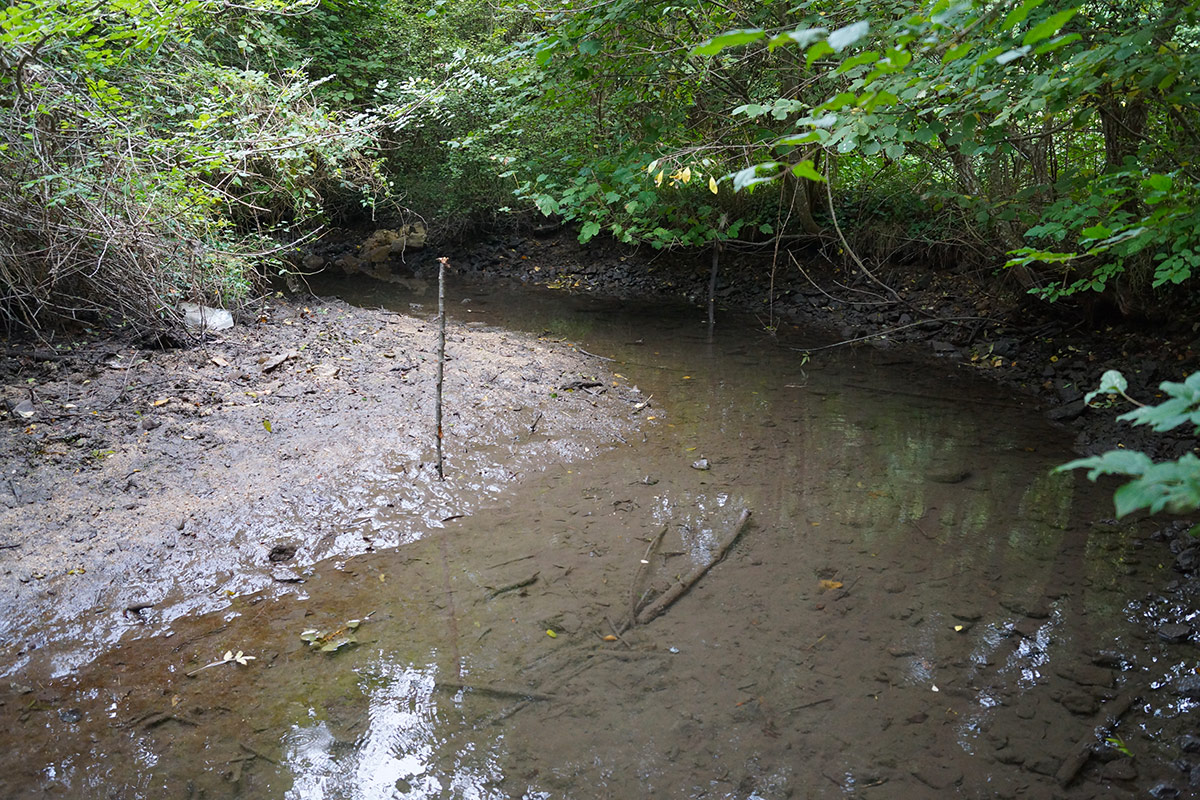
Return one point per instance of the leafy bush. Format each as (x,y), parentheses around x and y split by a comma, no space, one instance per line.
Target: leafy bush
(140,171)
(1172,486)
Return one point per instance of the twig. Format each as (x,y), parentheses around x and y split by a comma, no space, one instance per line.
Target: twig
(493,691)
(878,333)
(638,576)
(512,587)
(667,598)
(593,355)
(256,754)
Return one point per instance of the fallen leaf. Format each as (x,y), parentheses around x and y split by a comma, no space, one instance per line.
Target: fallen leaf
(162,401)
(610,638)
(551,634)
(958,628)
(267,425)
(220,362)
(275,361)
(827,585)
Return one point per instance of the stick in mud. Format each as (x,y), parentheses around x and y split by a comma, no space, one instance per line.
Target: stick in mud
(441,364)
(679,589)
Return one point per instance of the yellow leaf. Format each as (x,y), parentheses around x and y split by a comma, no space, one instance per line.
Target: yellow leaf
(686,175)
(958,628)
(551,634)
(162,402)
(827,585)
(267,425)
(712,184)
(610,638)
(658,179)
(650,167)
(689,449)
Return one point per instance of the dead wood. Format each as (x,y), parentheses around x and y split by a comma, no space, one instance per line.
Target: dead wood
(1078,758)
(664,601)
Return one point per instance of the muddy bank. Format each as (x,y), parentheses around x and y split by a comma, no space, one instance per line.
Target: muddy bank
(979,321)
(141,485)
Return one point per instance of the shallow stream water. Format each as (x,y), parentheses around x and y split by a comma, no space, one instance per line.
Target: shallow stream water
(916,608)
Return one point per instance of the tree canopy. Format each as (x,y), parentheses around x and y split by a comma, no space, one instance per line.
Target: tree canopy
(159,152)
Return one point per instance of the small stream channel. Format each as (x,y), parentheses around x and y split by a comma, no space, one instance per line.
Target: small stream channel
(917,608)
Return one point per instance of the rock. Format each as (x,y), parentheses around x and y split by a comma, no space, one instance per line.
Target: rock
(701,464)
(282,552)
(20,408)
(1122,769)
(205,318)
(943,348)
(312,262)
(1174,632)
(949,476)
(1188,560)
(938,776)
(1189,743)
(1188,686)
(1164,791)
(285,575)
(1068,412)
(1086,675)
(1080,703)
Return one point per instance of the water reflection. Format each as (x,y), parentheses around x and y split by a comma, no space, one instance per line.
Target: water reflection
(404,751)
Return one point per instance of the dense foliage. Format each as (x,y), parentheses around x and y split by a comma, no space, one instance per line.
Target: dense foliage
(1171,486)
(151,151)
(1059,137)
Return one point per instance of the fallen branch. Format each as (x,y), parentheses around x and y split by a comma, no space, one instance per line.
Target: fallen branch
(635,598)
(512,587)
(1076,761)
(680,588)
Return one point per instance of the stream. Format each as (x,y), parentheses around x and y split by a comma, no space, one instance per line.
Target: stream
(916,608)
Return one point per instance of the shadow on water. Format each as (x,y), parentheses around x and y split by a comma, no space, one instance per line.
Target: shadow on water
(917,608)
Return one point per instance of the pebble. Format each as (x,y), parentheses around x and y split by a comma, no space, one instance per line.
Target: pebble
(1174,632)
(701,464)
(1188,560)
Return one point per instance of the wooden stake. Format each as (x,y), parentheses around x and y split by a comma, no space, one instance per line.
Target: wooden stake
(443,262)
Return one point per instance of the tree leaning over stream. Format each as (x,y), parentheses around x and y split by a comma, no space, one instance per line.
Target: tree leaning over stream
(1057,138)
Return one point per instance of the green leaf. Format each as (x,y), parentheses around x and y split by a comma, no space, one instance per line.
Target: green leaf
(588,230)
(1049,27)
(805,169)
(842,38)
(1018,14)
(1111,382)
(734,38)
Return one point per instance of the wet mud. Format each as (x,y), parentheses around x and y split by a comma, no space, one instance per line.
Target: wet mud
(915,607)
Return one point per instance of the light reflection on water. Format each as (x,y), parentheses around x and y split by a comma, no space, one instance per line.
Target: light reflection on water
(404,751)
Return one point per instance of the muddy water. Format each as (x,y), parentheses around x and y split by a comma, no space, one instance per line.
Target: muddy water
(916,608)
